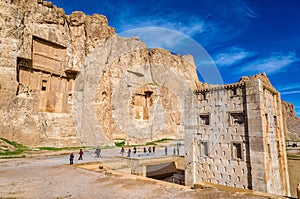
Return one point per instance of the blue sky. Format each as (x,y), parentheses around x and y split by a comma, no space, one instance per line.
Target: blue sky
(241,37)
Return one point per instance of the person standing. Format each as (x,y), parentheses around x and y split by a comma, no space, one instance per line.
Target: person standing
(166,150)
(153,149)
(71,158)
(129,151)
(122,151)
(98,152)
(80,154)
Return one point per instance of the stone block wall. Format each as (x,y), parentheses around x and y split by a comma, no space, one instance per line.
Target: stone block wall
(239,139)
(266,137)
(219,139)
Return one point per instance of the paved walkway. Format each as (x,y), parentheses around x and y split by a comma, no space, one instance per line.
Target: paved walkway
(47,176)
(109,153)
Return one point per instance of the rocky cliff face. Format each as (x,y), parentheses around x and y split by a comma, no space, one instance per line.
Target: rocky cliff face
(69,80)
(292,122)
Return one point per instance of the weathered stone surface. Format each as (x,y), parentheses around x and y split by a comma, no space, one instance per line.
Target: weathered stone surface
(238,137)
(122,75)
(24,67)
(69,80)
(291,121)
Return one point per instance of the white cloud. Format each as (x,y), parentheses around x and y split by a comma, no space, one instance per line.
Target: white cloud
(283,88)
(290,92)
(210,22)
(245,9)
(191,27)
(232,56)
(275,63)
(155,37)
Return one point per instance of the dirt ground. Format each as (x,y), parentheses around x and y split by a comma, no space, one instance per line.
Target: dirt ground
(52,177)
(294,174)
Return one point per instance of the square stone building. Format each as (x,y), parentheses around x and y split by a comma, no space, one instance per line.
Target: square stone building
(235,136)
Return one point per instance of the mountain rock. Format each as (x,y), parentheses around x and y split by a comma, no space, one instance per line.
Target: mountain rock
(69,80)
(291,121)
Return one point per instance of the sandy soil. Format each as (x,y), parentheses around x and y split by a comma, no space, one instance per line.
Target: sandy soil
(52,177)
(294,173)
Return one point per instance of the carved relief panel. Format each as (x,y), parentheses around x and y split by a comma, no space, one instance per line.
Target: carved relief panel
(44,79)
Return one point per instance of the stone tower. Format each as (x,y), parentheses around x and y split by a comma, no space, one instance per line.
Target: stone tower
(235,137)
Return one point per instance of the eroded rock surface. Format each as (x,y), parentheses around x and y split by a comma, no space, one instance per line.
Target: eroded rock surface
(292,122)
(67,80)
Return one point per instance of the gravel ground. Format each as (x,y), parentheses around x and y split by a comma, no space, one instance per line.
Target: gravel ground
(45,176)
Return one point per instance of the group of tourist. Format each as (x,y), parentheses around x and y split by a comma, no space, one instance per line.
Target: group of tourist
(72,156)
(147,151)
(97,152)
